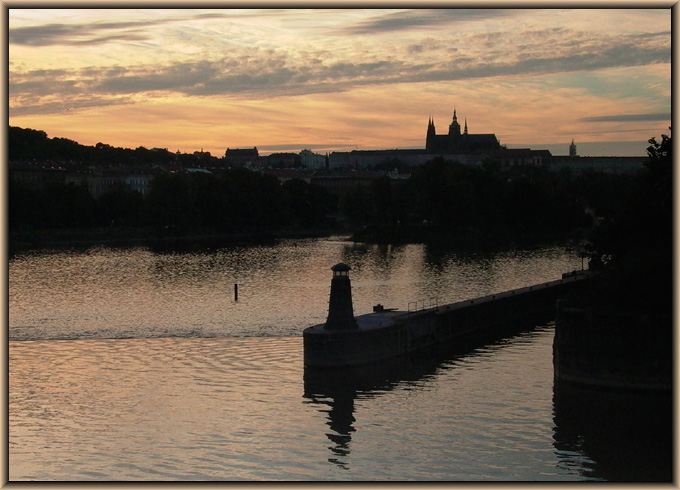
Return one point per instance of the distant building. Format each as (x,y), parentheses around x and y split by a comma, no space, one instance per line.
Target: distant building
(40,175)
(241,157)
(102,181)
(36,175)
(512,157)
(286,174)
(168,168)
(363,159)
(572,149)
(456,146)
(366,159)
(279,160)
(457,142)
(138,181)
(198,170)
(341,181)
(609,165)
(309,159)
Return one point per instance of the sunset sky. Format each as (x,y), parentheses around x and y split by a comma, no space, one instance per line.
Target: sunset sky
(342,79)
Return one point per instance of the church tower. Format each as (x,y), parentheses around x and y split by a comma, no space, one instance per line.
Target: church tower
(572,149)
(454,127)
(459,140)
(431,134)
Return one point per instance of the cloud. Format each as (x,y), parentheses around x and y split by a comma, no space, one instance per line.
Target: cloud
(74,34)
(265,73)
(629,117)
(261,72)
(60,105)
(180,77)
(91,33)
(397,21)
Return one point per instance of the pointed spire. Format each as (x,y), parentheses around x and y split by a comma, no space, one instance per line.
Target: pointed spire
(455,118)
(572,149)
(466,126)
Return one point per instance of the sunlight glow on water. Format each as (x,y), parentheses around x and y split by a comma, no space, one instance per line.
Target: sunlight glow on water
(132,293)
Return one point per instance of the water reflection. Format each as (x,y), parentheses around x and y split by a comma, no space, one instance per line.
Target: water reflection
(336,389)
(340,420)
(614,435)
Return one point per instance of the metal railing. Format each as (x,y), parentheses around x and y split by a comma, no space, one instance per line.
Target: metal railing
(422,304)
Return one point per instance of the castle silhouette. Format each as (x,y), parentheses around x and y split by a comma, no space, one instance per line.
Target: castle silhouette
(454,141)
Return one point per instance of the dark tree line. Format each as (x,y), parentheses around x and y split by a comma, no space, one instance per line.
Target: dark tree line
(29,144)
(439,198)
(234,201)
(634,242)
(448,199)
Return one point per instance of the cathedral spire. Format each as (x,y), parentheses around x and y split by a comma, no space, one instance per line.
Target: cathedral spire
(431,134)
(454,127)
(465,131)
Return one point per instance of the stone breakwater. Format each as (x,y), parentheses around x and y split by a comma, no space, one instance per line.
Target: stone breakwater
(385,334)
(613,349)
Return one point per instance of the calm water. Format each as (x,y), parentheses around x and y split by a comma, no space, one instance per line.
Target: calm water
(132,365)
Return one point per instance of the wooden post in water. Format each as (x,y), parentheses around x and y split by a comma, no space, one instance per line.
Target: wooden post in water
(235,292)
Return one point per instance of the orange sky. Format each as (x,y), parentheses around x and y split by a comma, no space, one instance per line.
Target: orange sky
(340,79)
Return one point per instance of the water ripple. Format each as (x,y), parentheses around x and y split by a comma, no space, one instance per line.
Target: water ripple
(135,293)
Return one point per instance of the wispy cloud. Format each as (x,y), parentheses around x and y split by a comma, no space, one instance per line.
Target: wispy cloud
(63,106)
(92,33)
(412,19)
(629,118)
(263,73)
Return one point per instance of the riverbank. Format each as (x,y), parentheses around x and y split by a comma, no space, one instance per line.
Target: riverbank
(36,239)
(465,238)
(152,238)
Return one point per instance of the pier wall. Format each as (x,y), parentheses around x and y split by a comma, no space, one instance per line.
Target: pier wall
(380,336)
(613,349)
(488,317)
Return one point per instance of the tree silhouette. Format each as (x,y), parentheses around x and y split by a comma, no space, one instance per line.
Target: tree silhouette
(636,240)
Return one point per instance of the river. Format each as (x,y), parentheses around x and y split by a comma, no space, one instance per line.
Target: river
(127,364)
